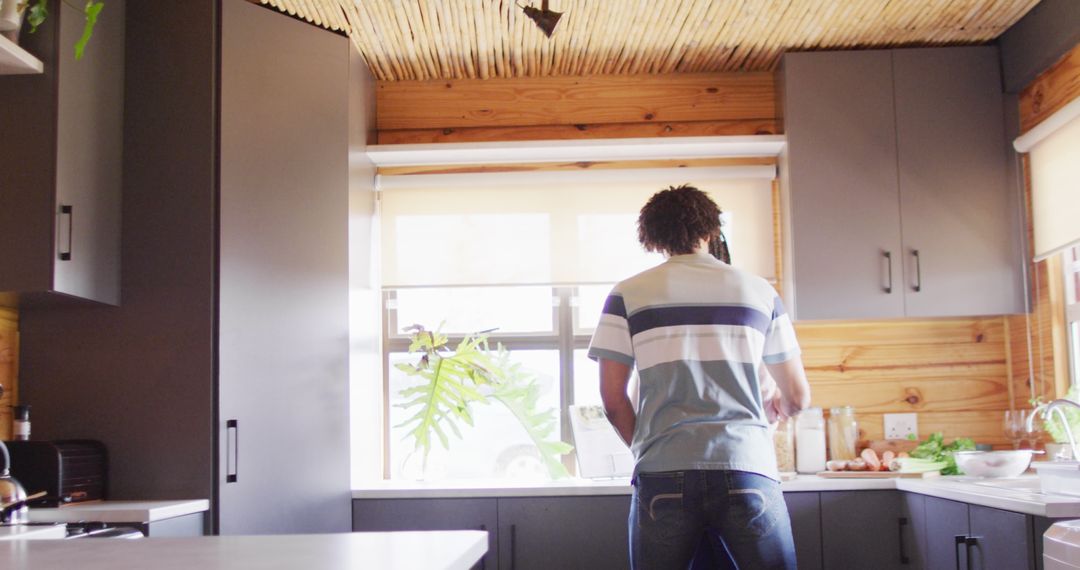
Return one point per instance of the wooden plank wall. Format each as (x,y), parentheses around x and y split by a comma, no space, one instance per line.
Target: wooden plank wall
(9,362)
(548,108)
(952,372)
(955,373)
(1042,334)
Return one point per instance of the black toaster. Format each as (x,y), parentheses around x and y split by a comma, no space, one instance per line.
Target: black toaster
(68,471)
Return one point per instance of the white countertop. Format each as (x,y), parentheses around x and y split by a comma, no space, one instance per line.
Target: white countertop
(32,532)
(973,491)
(1023,499)
(118,511)
(466,488)
(449,550)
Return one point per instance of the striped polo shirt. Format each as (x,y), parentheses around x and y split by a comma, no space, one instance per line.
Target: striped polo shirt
(697,330)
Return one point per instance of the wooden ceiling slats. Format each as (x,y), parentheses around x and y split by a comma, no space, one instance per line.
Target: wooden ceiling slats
(457,39)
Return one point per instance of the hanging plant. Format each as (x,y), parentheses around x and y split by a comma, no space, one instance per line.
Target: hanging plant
(472,374)
(39,12)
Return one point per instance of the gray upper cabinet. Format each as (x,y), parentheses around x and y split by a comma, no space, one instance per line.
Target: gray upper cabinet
(845,206)
(958,210)
(900,199)
(60,175)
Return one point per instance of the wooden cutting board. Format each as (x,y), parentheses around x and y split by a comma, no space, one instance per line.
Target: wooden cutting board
(876,475)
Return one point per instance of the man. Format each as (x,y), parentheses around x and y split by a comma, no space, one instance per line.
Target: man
(698,331)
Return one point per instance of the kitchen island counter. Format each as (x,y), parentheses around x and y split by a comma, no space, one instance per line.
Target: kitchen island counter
(118,511)
(448,550)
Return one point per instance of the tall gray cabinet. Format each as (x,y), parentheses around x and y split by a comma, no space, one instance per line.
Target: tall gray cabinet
(61,161)
(283,348)
(224,373)
(896,172)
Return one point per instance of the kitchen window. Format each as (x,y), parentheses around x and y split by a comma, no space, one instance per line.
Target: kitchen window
(1071,266)
(529,263)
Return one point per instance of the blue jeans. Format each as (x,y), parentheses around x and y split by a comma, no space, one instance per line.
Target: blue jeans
(741,516)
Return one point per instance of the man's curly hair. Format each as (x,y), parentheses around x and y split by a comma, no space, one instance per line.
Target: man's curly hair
(674,221)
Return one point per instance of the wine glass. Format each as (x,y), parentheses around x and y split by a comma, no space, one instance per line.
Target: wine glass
(1016,426)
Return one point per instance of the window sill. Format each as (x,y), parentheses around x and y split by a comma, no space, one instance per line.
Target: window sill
(476,488)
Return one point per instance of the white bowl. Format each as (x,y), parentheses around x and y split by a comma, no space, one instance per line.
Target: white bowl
(993,463)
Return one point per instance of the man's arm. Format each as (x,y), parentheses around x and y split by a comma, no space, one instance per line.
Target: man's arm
(614,377)
(794,388)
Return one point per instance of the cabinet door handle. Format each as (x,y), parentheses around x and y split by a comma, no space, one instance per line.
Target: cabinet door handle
(69,211)
(901,523)
(918,270)
(888,263)
(513,547)
(960,539)
(232,451)
(968,543)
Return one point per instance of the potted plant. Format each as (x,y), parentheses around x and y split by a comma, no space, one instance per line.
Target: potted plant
(453,382)
(1056,429)
(12,13)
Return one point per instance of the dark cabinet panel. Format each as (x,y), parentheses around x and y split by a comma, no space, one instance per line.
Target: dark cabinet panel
(382,515)
(945,520)
(1002,540)
(1039,527)
(805,512)
(859,529)
(564,532)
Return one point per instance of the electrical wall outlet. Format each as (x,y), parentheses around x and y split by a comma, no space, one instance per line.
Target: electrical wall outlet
(901,426)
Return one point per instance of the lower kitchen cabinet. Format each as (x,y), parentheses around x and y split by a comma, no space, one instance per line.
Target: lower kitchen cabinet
(945,520)
(382,515)
(805,512)
(564,532)
(912,532)
(860,529)
(959,535)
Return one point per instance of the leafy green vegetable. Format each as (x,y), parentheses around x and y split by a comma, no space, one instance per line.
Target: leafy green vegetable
(916,465)
(473,374)
(935,449)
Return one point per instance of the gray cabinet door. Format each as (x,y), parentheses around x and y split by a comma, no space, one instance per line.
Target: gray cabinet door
(957,205)
(912,531)
(283,336)
(90,123)
(61,161)
(945,520)
(841,169)
(1002,540)
(569,533)
(859,529)
(385,515)
(805,512)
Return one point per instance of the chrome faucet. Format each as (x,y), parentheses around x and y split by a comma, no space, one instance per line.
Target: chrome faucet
(1055,406)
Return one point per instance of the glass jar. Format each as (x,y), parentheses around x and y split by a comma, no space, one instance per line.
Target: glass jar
(843,433)
(784,443)
(810,441)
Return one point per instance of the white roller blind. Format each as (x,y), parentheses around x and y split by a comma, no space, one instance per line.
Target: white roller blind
(536,229)
(1054,148)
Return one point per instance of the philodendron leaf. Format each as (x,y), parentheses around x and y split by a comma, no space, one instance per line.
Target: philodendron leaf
(37,14)
(91,10)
